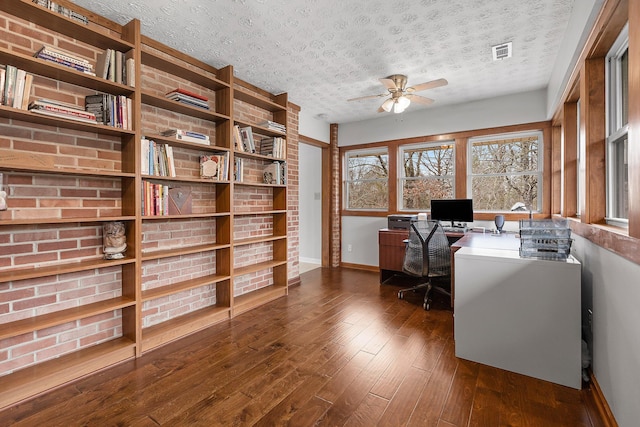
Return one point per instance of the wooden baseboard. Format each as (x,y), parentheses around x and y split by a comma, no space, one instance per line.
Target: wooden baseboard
(600,403)
(360,266)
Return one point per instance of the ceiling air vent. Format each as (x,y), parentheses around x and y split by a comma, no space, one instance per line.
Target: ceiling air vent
(501,51)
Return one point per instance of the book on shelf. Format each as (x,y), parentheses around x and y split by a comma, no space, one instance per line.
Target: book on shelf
(57,7)
(273,126)
(215,166)
(274,147)
(238,169)
(237,139)
(188,98)
(188,136)
(62,110)
(246,135)
(156,159)
(58,56)
(15,87)
(272,173)
(116,66)
(110,110)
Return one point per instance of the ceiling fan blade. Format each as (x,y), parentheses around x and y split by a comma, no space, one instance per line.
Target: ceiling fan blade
(367,97)
(428,85)
(420,99)
(389,84)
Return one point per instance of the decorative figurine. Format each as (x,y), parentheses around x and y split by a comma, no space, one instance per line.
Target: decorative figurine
(114,240)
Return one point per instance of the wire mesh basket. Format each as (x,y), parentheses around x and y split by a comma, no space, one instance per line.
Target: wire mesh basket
(545,238)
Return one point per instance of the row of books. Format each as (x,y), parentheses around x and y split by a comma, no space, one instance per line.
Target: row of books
(188,136)
(189,98)
(156,199)
(50,107)
(274,126)
(274,147)
(117,66)
(238,169)
(15,87)
(243,139)
(110,110)
(60,57)
(275,173)
(54,6)
(215,166)
(157,159)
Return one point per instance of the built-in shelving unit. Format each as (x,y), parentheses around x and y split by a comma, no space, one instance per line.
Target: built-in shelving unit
(181,272)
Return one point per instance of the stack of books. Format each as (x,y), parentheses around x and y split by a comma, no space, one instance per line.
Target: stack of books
(51,54)
(215,166)
(238,169)
(188,98)
(116,66)
(274,126)
(188,136)
(15,87)
(110,110)
(274,147)
(56,7)
(60,109)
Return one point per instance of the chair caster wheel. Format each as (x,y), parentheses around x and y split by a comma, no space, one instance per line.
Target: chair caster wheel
(426,305)
(400,295)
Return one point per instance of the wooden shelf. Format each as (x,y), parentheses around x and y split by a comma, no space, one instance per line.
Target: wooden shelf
(174,288)
(188,216)
(180,108)
(260,184)
(258,157)
(241,271)
(244,96)
(254,240)
(36,323)
(272,212)
(183,144)
(36,169)
(179,327)
(37,221)
(28,116)
(36,379)
(60,72)
(182,179)
(53,270)
(177,69)
(96,36)
(251,300)
(261,130)
(167,253)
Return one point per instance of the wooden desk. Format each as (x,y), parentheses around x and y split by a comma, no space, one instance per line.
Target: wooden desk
(391,248)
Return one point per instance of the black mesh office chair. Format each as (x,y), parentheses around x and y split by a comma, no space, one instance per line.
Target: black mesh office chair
(428,256)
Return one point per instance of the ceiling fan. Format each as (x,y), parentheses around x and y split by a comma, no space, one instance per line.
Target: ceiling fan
(400,96)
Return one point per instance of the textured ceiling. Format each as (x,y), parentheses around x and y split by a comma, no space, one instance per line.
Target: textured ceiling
(323,52)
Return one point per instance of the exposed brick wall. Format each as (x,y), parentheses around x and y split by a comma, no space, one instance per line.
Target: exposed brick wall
(335,197)
(293,191)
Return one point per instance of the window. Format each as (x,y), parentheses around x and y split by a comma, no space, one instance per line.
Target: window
(581,157)
(617,130)
(505,170)
(426,172)
(366,179)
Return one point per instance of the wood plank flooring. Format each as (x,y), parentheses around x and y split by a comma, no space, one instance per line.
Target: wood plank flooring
(340,350)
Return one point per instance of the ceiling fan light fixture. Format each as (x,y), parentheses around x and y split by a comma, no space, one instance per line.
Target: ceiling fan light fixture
(387,105)
(401,104)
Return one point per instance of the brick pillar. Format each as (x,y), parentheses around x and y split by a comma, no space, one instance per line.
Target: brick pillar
(293,194)
(334,255)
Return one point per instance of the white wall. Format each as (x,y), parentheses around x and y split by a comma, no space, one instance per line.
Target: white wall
(611,285)
(310,203)
(313,127)
(361,235)
(506,110)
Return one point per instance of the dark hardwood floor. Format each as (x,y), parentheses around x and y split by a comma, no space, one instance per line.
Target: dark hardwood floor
(339,350)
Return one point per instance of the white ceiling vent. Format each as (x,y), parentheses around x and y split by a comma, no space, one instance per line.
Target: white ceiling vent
(501,51)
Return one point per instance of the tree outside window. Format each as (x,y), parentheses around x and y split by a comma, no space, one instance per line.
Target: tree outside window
(427,173)
(505,170)
(366,181)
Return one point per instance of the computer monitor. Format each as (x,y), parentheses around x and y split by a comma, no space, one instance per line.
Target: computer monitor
(460,210)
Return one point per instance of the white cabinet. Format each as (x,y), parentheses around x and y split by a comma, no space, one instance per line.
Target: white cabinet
(519,314)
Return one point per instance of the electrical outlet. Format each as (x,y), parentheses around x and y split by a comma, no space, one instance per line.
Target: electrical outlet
(349,248)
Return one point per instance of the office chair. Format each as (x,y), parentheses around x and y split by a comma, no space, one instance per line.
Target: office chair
(427,256)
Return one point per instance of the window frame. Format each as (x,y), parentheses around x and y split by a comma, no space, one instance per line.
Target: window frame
(401,178)
(617,128)
(346,181)
(540,163)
